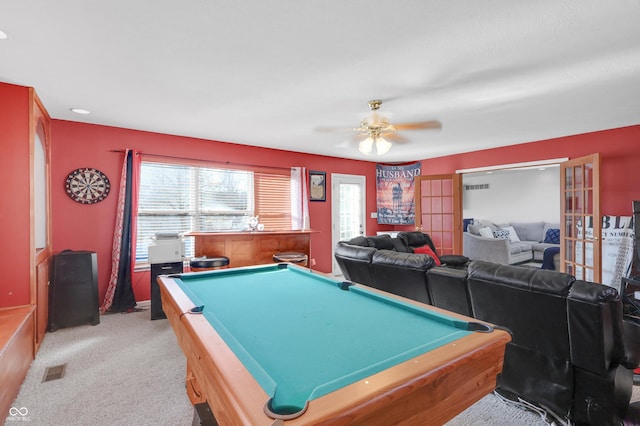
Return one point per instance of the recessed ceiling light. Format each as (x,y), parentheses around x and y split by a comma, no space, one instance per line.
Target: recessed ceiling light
(80,111)
(3,35)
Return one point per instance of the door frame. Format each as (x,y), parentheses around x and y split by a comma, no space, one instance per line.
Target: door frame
(595,207)
(569,239)
(336,179)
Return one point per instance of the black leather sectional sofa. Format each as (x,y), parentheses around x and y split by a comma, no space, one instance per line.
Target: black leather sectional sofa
(390,264)
(572,352)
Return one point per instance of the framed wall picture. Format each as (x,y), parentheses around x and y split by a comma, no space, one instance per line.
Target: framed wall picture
(317,186)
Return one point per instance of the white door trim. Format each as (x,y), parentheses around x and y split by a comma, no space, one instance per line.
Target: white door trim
(336,180)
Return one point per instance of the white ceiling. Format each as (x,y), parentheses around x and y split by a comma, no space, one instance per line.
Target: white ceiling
(269,73)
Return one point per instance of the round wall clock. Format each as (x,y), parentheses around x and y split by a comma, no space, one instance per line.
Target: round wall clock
(87,185)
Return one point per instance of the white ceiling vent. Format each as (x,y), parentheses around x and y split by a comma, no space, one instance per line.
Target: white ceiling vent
(478,186)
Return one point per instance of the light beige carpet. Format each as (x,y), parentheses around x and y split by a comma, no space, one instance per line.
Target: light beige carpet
(129,370)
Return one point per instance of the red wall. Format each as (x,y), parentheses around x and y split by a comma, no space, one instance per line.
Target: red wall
(14,195)
(90,227)
(619,155)
(81,227)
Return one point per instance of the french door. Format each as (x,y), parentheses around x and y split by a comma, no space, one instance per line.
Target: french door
(580,232)
(348,202)
(439,211)
(439,214)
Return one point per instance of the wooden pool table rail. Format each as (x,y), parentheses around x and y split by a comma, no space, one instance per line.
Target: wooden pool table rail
(429,389)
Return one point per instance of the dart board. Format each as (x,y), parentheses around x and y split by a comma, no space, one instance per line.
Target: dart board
(87,185)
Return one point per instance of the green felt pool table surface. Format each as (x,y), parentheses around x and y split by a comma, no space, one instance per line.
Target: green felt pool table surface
(302,335)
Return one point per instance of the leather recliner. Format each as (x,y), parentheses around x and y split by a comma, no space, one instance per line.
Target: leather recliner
(572,352)
(449,290)
(385,263)
(404,274)
(414,239)
(605,349)
(354,260)
(532,305)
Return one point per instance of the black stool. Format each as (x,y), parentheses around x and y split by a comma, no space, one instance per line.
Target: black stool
(291,257)
(208,263)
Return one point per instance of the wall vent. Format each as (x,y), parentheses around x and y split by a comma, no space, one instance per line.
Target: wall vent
(478,186)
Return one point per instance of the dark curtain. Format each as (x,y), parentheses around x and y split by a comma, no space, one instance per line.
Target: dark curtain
(123,298)
(120,296)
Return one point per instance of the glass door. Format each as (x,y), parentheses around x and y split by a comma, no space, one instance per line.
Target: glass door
(348,199)
(580,232)
(439,211)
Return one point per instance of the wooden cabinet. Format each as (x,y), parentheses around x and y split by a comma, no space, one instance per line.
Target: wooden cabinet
(250,248)
(42,296)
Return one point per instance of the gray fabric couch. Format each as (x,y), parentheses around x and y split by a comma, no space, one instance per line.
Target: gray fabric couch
(500,249)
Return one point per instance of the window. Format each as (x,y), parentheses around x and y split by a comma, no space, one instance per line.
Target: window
(183,198)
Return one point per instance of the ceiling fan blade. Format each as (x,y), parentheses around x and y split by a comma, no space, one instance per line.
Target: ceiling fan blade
(432,124)
(394,137)
(329,129)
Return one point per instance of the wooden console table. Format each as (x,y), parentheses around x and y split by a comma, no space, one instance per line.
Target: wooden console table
(244,248)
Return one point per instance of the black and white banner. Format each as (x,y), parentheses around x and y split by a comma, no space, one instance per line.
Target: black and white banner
(617,250)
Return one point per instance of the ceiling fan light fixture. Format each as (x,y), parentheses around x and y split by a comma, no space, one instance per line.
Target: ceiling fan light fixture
(373,129)
(382,146)
(366,146)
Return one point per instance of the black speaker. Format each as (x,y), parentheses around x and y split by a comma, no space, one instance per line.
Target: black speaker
(73,292)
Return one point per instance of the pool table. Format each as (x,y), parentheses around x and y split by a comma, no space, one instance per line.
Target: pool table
(281,344)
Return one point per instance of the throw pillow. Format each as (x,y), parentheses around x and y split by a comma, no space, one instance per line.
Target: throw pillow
(427,250)
(475,228)
(512,234)
(485,232)
(502,234)
(553,236)
(490,225)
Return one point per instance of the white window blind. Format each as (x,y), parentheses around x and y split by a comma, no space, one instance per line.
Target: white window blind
(183,198)
(273,200)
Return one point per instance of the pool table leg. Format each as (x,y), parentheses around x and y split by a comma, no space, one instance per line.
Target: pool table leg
(202,415)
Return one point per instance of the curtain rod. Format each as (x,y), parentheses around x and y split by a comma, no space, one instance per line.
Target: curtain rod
(228,163)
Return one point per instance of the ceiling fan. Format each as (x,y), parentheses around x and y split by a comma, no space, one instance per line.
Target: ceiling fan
(379,131)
